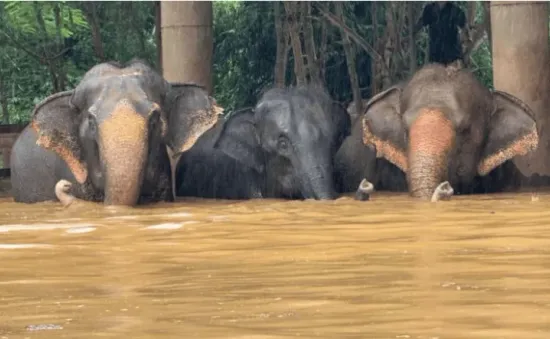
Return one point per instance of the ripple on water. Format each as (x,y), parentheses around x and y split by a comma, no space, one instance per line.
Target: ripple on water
(19,246)
(392,267)
(81,229)
(170,225)
(40,227)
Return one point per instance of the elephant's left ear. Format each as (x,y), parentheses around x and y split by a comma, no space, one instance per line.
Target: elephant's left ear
(56,121)
(512,132)
(384,129)
(191,112)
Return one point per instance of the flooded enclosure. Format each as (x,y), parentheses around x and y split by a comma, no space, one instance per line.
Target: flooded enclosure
(393,267)
(226,146)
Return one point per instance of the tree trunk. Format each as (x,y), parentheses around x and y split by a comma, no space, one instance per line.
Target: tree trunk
(59,63)
(4,102)
(187,45)
(389,47)
(90,11)
(411,37)
(158,36)
(323,46)
(520,67)
(309,44)
(293,19)
(279,73)
(350,61)
(374,76)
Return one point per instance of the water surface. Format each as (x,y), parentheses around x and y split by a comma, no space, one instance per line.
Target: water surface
(474,267)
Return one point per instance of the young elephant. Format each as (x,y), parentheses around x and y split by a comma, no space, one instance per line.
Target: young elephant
(444,125)
(354,162)
(281,149)
(207,172)
(107,137)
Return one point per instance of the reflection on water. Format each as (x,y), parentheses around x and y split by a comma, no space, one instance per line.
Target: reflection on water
(474,267)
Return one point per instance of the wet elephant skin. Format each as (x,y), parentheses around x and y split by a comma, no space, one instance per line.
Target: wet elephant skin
(445,125)
(108,137)
(283,148)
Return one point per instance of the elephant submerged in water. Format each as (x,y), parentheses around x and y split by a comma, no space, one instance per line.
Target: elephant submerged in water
(444,125)
(108,137)
(282,148)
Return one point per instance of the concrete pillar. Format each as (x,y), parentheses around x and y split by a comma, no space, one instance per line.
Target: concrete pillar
(521,68)
(187,42)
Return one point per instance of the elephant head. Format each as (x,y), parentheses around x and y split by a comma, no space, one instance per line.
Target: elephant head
(290,136)
(192,112)
(445,125)
(111,129)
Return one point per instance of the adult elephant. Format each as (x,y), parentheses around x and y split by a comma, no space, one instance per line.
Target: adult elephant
(282,148)
(108,137)
(444,125)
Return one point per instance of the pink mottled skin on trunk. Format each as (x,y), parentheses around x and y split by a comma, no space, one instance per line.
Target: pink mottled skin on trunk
(431,137)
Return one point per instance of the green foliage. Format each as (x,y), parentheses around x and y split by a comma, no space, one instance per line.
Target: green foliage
(31,54)
(22,16)
(244,52)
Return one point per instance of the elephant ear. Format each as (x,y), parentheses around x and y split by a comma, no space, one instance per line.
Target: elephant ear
(191,112)
(512,132)
(55,121)
(383,127)
(238,138)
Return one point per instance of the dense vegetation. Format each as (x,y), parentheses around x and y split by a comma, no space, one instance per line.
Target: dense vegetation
(48,46)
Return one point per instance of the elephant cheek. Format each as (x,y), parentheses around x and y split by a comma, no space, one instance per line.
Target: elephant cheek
(123,149)
(431,137)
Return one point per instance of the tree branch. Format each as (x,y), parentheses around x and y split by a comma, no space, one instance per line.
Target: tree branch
(360,41)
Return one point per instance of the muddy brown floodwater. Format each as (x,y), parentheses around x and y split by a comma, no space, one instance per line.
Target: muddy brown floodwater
(474,267)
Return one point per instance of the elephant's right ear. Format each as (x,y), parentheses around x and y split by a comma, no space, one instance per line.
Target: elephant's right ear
(238,138)
(512,132)
(55,121)
(383,127)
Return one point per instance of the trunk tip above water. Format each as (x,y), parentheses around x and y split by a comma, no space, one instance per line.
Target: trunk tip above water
(443,192)
(364,190)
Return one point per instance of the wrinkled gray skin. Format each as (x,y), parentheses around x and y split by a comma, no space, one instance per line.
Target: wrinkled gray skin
(461,129)
(281,149)
(107,138)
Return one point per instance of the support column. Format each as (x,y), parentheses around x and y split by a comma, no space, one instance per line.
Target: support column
(521,68)
(187,42)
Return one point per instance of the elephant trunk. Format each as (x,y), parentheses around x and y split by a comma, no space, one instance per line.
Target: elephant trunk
(431,137)
(123,149)
(317,180)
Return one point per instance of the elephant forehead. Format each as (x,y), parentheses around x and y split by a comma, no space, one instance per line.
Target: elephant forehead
(433,127)
(111,100)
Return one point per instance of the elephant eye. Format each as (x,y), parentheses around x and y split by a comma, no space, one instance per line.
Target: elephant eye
(282,143)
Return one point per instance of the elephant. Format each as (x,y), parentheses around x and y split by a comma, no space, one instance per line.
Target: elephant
(282,148)
(444,125)
(109,137)
(354,161)
(207,172)
(196,112)
(352,110)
